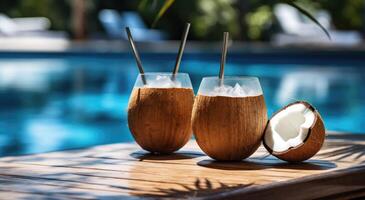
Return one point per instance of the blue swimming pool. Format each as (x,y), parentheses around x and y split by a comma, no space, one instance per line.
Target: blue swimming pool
(56,101)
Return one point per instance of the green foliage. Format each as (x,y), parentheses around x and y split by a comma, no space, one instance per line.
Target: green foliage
(257,20)
(213,14)
(347,14)
(249,19)
(211,19)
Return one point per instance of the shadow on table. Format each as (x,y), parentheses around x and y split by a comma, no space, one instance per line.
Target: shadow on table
(333,151)
(201,188)
(267,163)
(180,155)
(342,150)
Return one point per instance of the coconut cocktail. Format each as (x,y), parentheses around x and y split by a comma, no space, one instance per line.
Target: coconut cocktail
(160,106)
(159,112)
(229,114)
(229,117)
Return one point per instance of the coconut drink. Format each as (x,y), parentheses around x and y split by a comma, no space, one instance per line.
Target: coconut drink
(229,114)
(160,105)
(159,112)
(229,119)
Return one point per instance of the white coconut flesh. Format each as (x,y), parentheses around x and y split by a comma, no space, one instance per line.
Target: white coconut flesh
(289,127)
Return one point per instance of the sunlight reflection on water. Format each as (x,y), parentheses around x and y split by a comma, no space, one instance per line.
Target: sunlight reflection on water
(51,104)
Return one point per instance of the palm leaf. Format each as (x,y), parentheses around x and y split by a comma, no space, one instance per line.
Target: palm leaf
(307,14)
(162,11)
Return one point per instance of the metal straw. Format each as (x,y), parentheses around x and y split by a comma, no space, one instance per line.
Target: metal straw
(136,55)
(223,58)
(181,50)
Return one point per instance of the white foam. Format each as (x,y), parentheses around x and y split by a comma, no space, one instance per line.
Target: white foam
(229,91)
(163,81)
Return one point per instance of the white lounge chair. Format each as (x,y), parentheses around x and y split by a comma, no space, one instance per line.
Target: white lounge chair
(13,26)
(27,27)
(298,29)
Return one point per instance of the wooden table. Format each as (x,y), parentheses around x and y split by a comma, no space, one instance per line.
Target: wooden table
(125,171)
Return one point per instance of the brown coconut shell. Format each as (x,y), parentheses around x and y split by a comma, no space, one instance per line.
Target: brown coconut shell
(311,144)
(229,128)
(160,118)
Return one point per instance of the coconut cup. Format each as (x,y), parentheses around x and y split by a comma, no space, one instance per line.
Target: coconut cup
(159,113)
(228,123)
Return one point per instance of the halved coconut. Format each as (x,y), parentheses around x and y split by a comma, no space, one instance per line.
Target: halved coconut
(295,133)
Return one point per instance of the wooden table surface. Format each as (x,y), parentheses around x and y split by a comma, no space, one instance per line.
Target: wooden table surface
(125,171)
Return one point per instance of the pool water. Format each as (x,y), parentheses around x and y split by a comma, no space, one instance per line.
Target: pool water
(59,101)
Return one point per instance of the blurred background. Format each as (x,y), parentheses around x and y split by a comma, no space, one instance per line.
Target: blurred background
(251,20)
(66,70)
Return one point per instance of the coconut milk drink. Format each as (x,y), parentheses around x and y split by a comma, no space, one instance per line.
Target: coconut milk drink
(229,119)
(159,113)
